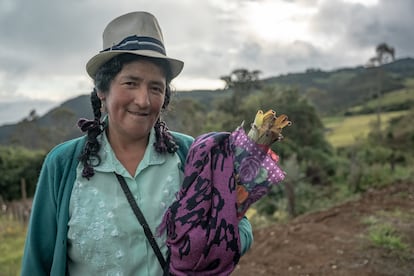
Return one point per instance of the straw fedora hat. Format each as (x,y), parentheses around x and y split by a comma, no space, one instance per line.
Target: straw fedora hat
(136,33)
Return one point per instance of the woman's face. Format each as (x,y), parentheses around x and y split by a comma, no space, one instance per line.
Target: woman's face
(135,99)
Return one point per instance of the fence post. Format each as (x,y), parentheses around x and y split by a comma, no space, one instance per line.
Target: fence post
(23,189)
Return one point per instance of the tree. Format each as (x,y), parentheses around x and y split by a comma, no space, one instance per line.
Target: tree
(26,129)
(17,163)
(186,115)
(317,97)
(241,79)
(227,112)
(384,54)
(61,129)
(33,133)
(241,82)
(32,115)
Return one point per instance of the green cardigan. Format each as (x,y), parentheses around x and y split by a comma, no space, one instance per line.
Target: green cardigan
(45,250)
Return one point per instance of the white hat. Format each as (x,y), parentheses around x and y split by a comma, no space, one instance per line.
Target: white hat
(135,33)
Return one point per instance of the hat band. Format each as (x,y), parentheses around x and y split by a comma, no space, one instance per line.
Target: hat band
(134,42)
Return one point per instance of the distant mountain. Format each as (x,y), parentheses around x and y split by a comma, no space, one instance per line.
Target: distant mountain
(337,90)
(205,97)
(12,111)
(53,127)
(330,91)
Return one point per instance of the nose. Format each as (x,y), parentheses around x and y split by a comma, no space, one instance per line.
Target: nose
(141,97)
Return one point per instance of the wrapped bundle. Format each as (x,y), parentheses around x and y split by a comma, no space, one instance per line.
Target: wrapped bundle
(223,175)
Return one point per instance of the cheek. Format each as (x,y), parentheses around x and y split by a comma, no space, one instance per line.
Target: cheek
(158,102)
(111,103)
(118,99)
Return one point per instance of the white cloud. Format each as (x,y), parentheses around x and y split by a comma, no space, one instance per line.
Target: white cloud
(276,21)
(45,45)
(363,2)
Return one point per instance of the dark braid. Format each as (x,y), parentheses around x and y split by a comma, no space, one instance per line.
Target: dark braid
(89,156)
(103,78)
(164,141)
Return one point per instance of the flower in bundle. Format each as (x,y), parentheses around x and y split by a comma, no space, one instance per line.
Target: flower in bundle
(267,127)
(257,170)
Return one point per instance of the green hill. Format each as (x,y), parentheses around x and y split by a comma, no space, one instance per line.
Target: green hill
(346,130)
(347,91)
(338,90)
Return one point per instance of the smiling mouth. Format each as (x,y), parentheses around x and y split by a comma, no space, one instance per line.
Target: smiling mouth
(138,113)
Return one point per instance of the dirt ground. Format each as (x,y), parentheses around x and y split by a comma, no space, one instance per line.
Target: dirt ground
(335,241)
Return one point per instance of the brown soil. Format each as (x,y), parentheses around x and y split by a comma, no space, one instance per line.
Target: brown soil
(335,241)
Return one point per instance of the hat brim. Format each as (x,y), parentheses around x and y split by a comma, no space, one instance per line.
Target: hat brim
(176,66)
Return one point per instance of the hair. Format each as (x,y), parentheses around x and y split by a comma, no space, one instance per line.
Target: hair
(105,74)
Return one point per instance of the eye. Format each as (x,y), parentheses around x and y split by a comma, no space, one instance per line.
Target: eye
(157,89)
(129,83)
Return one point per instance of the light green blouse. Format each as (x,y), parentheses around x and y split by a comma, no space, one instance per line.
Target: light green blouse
(104,236)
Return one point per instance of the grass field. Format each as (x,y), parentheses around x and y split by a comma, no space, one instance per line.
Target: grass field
(12,236)
(390,99)
(397,97)
(343,131)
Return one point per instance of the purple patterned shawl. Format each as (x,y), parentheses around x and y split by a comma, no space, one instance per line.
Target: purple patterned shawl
(202,224)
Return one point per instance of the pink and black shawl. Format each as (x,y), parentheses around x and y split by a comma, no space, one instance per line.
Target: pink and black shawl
(202,224)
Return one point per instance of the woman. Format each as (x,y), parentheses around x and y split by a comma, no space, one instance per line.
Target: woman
(82,222)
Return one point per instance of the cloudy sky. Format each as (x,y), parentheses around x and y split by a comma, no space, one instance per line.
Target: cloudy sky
(45,44)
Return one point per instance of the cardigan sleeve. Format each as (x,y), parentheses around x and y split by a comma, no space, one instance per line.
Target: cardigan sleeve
(246,235)
(45,246)
(41,233)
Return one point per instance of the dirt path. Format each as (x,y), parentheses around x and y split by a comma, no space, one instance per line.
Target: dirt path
(335,241)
